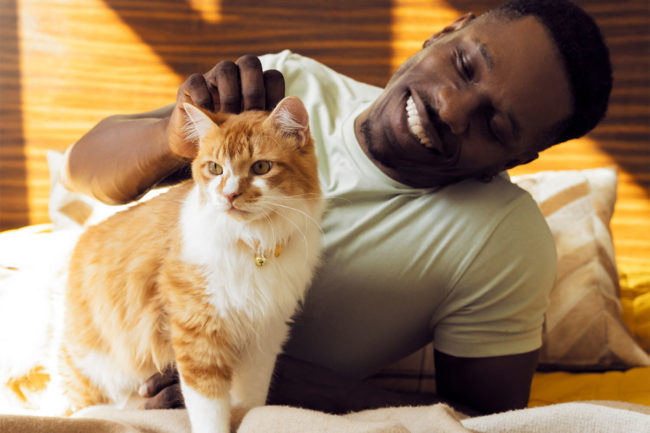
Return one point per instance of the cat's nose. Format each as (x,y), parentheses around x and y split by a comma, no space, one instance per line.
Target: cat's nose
(232,196)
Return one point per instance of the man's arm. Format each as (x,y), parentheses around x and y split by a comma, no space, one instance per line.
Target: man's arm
(487,385)
(300,384)
(124,156)
(473,386)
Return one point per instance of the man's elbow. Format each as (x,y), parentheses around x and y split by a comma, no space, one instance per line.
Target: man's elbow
(77,176)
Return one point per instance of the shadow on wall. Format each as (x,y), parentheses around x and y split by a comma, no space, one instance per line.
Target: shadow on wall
(353,41)
(13,184)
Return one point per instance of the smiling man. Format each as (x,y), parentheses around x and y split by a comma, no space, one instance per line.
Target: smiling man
(471,108)
(425,239)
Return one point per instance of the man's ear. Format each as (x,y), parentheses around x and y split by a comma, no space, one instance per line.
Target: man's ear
(458,24)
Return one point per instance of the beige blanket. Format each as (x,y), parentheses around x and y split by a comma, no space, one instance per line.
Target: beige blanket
(587,417)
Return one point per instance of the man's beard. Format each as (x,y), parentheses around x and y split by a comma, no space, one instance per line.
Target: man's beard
(402,167)
(372,150)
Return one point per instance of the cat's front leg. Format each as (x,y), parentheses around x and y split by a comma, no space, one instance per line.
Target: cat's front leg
(205,372)
(208,414)
(253,376)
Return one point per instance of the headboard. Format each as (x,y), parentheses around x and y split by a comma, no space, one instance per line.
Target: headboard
(65,65)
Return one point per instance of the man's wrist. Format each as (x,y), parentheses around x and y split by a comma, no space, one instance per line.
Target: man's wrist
(170,159)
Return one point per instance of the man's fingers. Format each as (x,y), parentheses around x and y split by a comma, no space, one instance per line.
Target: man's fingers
(252,83)
(158,382)
(243,85)
(169,398)
(274,87)
(226,76)
(195,90)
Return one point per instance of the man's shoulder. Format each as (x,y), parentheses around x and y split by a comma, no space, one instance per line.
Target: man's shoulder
(486,197)
(304,75)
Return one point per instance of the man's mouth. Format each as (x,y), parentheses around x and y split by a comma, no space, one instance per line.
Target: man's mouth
(415,126)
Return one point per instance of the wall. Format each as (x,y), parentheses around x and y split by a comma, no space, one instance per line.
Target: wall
(66,64)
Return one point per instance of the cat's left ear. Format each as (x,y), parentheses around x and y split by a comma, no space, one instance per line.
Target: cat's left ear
(199,123)
(291,118)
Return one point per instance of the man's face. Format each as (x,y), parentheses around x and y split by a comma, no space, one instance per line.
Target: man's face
(477,99)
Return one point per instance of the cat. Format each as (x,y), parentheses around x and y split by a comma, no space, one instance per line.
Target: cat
(205,276)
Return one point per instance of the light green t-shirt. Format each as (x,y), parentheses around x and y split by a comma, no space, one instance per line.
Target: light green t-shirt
(468,266)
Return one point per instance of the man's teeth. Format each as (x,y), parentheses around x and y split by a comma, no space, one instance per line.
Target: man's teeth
(415,125)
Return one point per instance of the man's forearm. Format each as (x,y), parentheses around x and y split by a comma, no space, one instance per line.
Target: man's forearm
(122,157)
(298,383)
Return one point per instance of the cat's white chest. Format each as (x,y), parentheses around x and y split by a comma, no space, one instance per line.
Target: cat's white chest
(235,281)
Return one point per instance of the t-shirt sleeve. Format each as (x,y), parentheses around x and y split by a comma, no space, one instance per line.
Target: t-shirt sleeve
(276,60)
(497,306)
(314,82)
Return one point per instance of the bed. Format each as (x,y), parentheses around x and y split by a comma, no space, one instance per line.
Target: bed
(63,75)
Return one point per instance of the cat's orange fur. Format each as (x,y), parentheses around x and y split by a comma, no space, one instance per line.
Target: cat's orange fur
(135,304)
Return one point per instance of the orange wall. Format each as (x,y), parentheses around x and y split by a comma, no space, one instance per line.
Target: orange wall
(65,65)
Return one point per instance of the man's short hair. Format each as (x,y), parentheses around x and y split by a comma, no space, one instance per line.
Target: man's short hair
(585,57)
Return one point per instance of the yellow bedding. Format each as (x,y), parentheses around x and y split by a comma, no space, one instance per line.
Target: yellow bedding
(631,386)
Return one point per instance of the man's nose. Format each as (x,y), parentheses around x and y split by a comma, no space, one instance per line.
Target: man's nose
(456,107)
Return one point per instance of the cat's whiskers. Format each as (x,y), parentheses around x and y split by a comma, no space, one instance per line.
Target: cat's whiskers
(305,214)
(317,197)
(296,226)
(296,199)
(307,194)
(268,218)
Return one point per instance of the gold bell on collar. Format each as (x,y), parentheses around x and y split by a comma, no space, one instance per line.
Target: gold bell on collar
(260,259)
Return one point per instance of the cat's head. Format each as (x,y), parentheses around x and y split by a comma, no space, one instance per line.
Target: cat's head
(255,164)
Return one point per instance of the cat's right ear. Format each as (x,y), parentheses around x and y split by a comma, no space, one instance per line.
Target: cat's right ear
(291,119)
(198,124)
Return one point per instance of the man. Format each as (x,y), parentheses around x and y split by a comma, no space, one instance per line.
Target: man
(423,239)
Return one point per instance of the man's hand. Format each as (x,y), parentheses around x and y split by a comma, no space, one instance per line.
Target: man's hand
(163,390)
(229,87)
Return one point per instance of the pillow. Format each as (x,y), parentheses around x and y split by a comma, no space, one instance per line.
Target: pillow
(583,329)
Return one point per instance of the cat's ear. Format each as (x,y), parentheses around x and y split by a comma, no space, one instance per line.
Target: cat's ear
(291,119)
(199,123)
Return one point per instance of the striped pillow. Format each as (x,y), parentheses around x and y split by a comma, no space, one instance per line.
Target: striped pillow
(583,328)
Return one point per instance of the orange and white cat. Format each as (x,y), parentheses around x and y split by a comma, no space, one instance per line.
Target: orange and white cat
(205,276)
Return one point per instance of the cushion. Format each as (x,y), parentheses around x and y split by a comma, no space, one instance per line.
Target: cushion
(583,329)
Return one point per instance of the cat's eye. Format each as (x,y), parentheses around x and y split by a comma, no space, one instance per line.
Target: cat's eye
(215,168)
(261,167)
